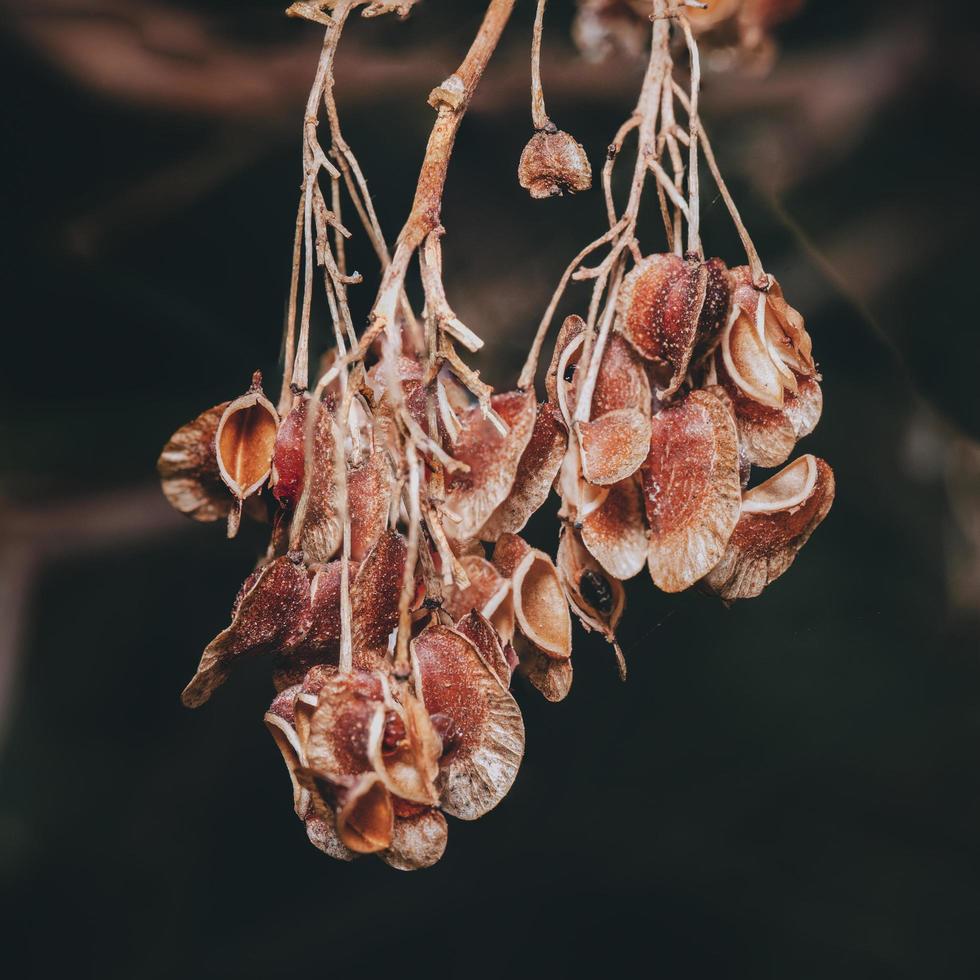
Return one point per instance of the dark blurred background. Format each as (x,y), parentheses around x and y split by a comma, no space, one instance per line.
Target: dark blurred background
(787,788)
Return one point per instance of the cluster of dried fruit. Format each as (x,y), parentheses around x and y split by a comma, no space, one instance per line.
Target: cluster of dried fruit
(397,599)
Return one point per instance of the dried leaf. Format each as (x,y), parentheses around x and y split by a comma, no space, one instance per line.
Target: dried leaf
(691,489)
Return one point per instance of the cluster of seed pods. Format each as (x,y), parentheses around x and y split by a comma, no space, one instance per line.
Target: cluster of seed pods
(704,377)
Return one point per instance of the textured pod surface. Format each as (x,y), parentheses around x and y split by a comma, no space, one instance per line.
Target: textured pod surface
(551,678)
(660,305)
(369,487)
(289,456)
(615,533)
(418,840)
(553,164)
(485,740)
(614,445)
(540,607)
(597,598)
(375,593)
(273,614)
(485,638)
(319,529)
(188,469)
(691,489)
(535,474)
(489,593)
(777,519)
(492,458)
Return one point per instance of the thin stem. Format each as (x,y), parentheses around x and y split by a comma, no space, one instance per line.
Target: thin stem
(693,126)
(289,344)
(539,117)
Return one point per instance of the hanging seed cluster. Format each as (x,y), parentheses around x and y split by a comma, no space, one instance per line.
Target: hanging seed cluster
(397,599)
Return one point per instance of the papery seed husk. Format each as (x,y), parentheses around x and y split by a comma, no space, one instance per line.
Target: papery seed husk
(572,327)
(369,486)
(616,533)
(540,608)
(273,615)
(691,489)
(535,474)
(482,634)
(552,164)
(245,440)
(419,841)
(489,593)
(492,459)
(320,530)
(279,720)
(614,445)
(660,306)
(597,598)
(365,818)
(289,456)
(188,469)
(410,769)
(321,829)
(480,762)
(777,519)
(375,592)
(552,678)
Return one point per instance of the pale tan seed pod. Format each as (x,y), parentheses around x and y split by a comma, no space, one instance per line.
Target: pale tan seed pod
(552,164)
(244,442)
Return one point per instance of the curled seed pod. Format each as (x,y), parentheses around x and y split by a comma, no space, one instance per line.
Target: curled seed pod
(551,678)
(777,519)
(691,489)
(670,306)
(489,593)
(244,442)
(536,472)
(481,633)
(553,164)
(375,593)
(540,607)
(492,458)
(615,533)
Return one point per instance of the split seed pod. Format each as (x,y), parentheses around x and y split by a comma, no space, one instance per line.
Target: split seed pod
(489,593)
(691,489)
(485,740)
(669,307)
(272,613)
(244,442)
(777,519)
(553,164)
(492,459)
(765,346)
(316,526)
(540,607)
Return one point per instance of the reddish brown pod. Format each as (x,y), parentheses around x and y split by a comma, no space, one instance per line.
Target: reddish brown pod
(670,307)
(777,519)
(691,489)
(552,164)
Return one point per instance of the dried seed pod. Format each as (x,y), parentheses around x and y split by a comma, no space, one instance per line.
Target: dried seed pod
(536,472)
(418,841)
(492,459)
(540,607)
(777,519)
(767,436)
(188,469)
(616,532)
(244,442)
(375,593)
(279,719)
(485,741)
(552,678)
(369,486)
(668,306)
(563,361)
(765,346)
(691,489)
(597,598)
(365,817)
(316,526)
(407,756)
(272,614)
(552,164)
(482,634)
(289,456)
(489,593)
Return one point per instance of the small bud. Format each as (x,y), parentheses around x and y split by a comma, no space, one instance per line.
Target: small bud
(553,164)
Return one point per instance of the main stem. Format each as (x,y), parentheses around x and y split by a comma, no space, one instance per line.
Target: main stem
(450,100)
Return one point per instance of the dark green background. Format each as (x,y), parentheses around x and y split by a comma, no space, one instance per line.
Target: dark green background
(787,788)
